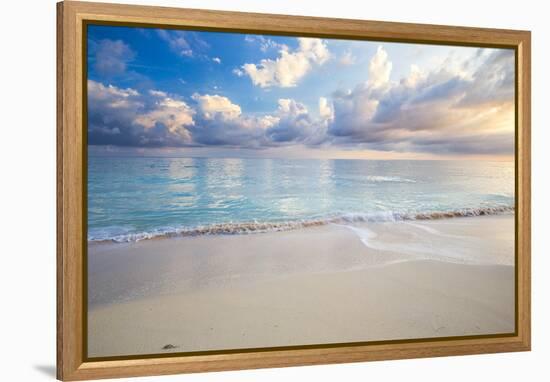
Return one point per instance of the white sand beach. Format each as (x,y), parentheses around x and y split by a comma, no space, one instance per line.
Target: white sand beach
(328,284)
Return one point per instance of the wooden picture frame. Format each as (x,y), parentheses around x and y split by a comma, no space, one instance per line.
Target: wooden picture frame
(72,17)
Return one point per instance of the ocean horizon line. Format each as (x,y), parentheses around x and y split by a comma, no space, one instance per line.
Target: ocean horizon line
(299,159)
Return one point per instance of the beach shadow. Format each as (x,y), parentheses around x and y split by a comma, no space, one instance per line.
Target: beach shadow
(48,370)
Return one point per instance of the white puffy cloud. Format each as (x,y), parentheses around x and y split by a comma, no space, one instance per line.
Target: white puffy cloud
(379,69)
(414,77)
(291,107)
(290,66)
(216,106)
(268,121)
(217,60)
(315,49)
(325,110)
(114,96)
(174,114)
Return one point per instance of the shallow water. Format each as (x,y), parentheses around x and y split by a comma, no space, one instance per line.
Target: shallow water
(132,198)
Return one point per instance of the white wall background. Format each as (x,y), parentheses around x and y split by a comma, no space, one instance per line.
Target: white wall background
(27,188)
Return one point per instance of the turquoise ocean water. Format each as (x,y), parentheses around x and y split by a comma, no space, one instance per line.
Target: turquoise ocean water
(133,198)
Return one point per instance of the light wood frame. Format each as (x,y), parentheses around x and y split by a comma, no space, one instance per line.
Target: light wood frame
(71,189)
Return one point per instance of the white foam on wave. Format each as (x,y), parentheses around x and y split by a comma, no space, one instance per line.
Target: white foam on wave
(235,228)
(402,243)
(394,179)
(365,235)
(432,230)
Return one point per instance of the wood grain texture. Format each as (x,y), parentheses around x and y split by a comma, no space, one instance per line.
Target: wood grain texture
(69,186)
(59,190)
(523,192)
(71,363)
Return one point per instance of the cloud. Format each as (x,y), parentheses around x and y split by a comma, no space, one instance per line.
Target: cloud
(112,57)
(325,110)
(286,70)
(217,107)
(465,106)
(170,117)
(447,110)
(347,59)
(176,41)
(379,69)
(238,72)
(294,124)
(492,86)
(158,93)
(125,117)
(265,43)
(116,97)
(110,110)
(219,122)
(217,60)
(184,43)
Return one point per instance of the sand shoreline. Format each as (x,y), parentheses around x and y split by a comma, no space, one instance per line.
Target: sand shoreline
(316,285)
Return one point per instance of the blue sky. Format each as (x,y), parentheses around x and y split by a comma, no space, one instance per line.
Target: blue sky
(169,92)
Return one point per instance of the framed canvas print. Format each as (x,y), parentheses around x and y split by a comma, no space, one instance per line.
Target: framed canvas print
(246,190)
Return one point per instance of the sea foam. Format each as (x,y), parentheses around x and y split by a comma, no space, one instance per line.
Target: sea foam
(236,228)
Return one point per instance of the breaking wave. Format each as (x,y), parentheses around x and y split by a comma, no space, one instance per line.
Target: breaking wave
(236,228)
